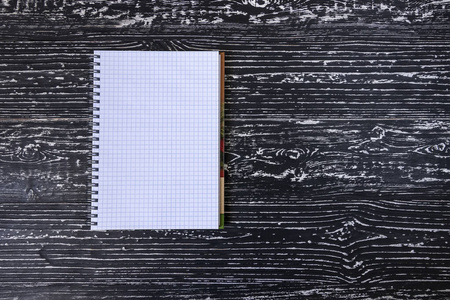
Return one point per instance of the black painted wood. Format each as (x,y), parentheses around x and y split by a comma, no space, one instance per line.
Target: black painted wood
(337,164)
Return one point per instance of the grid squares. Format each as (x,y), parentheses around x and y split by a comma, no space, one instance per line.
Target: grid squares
(158,140)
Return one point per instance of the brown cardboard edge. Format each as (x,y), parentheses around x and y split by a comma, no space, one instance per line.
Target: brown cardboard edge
(222,139)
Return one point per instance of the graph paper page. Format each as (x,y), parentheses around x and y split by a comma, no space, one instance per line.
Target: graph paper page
(158,163)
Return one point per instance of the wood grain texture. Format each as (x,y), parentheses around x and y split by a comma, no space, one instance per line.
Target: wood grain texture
(337,151)
(371,78)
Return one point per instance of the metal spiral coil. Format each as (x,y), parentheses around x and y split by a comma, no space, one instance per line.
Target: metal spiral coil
(95,125)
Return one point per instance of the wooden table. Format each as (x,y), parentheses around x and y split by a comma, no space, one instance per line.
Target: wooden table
(338,151)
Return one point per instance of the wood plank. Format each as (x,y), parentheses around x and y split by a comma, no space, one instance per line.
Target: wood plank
(44,174)
(264,263)
(202,16)
(320,79)
(390,173)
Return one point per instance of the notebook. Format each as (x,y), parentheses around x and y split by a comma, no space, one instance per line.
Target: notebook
(157,145)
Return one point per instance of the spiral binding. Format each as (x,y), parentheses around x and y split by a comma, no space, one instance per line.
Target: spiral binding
(95,137)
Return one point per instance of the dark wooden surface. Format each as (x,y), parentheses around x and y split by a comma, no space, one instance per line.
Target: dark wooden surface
(338,151)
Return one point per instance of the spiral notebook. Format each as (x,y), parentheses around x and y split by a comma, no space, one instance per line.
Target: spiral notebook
(156,159)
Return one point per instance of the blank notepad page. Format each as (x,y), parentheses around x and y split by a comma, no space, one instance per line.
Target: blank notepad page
(158,140)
